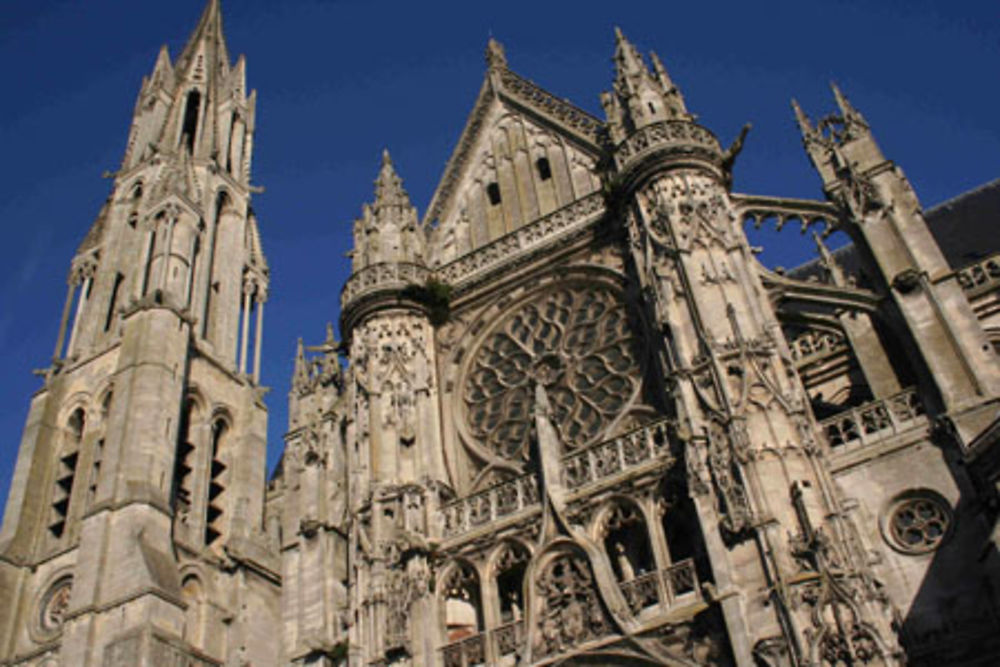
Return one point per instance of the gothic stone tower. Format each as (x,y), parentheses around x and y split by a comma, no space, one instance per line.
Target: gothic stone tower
(133,531)
(580,423)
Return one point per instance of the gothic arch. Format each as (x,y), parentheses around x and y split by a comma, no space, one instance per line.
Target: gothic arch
(623,527)
(459,593)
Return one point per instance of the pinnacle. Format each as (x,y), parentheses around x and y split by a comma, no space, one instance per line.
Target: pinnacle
(389,186)
(209,29)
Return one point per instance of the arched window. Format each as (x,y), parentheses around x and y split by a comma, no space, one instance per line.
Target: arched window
(493,193)
(214,514)
(463,616)
(544,168)
(626,542)
(508,571)
(66,472)
(463,608)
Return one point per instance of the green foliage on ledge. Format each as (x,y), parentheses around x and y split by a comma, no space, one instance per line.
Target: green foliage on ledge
(433,295)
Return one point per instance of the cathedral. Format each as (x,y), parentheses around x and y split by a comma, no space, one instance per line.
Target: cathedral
(568,419)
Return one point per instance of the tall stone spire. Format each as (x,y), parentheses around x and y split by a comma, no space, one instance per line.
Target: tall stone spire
(640,97)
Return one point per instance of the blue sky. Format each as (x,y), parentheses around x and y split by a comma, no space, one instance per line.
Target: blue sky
(338,81)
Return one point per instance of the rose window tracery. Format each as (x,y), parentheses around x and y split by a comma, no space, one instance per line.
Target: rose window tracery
(919,524)
(577,342)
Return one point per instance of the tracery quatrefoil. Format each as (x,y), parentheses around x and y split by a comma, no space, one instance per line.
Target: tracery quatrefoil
(577,342)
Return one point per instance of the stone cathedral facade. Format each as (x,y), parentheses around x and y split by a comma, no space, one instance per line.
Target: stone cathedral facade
(572,420)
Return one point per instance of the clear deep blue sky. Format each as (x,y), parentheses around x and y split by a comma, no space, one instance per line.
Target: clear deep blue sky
(338,81)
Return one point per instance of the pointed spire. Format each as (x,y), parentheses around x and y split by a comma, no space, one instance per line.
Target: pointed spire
(644,97)
(163,70)
(628,62)
(389,190)
(208,32)
(854,122)
(300,375)
(496,56)
(803,120)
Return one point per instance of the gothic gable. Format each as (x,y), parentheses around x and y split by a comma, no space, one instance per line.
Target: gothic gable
(522,155)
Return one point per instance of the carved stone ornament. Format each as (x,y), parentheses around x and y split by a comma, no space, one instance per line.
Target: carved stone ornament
(571,613)
(574,340)
(52,609)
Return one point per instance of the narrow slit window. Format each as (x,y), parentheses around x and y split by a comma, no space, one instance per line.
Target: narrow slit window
(113,304)
(544,169)
(652,109)
(493,192)
(190,127)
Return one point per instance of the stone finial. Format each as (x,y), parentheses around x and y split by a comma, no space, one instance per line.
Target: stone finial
(496,56)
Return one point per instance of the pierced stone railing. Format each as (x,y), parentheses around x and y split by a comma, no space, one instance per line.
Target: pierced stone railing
(498,501)
(681,578)
(648,590)
(379,276)
(981,274)
(667,134)
(465,652)
(642,592)
(816,343)
(521,239)
(613,456)
(508,638)
(874,421)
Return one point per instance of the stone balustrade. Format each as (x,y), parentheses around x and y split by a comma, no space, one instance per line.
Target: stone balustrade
(682,135)
(981,274)
(490,504)
(381,276)
(616,455)
(661,589)
(522,239)
(508,638)
(579,469)
(874,421)
(465,652)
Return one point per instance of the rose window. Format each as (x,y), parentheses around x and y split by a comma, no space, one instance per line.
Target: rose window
(919,524)
(577,342)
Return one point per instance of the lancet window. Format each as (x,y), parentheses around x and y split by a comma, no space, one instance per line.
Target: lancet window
(66,472)
(215,513)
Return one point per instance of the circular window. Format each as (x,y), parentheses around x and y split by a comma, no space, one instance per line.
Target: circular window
(53,606)
(918,523)
(574,340)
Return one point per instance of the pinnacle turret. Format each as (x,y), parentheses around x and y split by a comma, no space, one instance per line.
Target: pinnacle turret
(640,97)
(388,230)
